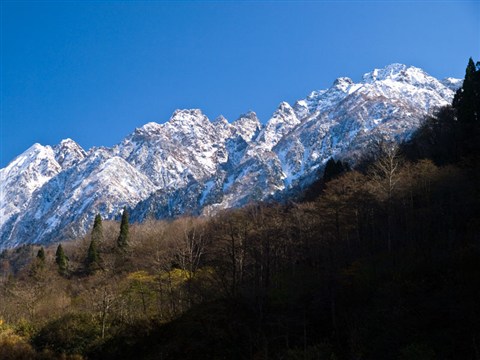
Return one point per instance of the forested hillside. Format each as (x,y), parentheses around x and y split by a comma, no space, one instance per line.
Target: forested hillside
(376,262)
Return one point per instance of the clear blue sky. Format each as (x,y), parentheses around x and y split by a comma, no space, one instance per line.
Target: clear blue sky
(93,71)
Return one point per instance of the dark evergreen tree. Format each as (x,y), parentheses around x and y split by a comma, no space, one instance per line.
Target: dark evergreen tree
(467,104)
(122,240)
(61,260)
(97,231)
(41,255)
(467,98)
(38,264)
(334,169)
(92,262)
(437,139)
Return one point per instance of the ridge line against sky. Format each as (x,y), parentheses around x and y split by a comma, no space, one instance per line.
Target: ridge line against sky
(95,71)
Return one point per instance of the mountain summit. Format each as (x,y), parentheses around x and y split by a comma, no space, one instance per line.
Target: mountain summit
(190,165)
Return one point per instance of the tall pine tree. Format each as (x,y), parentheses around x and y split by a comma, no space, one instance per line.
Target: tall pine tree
(41,255)
(61,260)
(97,231)
(92,261)
(122,241)
(467,105)
(39,264)
(467,98)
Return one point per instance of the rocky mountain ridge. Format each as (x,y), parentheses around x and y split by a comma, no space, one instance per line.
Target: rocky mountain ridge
(191,165)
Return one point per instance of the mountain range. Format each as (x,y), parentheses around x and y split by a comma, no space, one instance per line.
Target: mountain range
(191,165)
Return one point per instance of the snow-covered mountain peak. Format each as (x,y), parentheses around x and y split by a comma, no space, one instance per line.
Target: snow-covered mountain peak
(400,73)
(223,128)
(408,84)
(247,126)
(68,153)
(189,164)
(37,147)
(340,87)
(284,108)
(343,83)
(68,142)
(188,122)
(249,115)
(34,150)
(283,114)
(150,128)
(322,101)
(27,173)
(149,132)
(220,121)
(35,154)
(388,71)
(187,116)
(306,106)
(283,120)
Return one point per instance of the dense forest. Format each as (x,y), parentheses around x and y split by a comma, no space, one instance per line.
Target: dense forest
(378,261)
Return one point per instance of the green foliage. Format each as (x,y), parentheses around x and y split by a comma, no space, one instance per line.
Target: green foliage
(14,346)
(61,260)
(122,241)
(70,334)
(25,329)
(140,291)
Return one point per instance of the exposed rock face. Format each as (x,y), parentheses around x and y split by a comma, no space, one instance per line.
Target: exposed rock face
(191,165)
